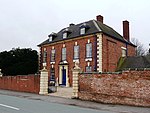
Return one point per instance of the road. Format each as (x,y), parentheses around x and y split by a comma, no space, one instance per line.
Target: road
(17,102)
(10,104)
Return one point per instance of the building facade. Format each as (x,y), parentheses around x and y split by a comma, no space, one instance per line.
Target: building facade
(94,45)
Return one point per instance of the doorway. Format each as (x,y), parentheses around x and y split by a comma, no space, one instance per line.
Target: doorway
(63,75)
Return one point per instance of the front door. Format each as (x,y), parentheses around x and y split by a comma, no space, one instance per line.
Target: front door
(63,76)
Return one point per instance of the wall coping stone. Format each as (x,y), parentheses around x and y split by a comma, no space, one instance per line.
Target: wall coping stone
(136,69)
(89,73)
(119,72)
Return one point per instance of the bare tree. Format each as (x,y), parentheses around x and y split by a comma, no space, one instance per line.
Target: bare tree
(140,50)
(148,52)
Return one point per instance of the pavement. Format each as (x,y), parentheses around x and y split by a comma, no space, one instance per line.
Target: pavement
(65,92)
(75,102)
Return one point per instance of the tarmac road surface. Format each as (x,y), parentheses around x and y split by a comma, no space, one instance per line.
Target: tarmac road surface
(10,104)
(17,102)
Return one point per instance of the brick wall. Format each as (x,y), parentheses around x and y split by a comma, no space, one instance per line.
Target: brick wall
(28,83)
(112,51)
(69,44)
(129,87)
(131,50)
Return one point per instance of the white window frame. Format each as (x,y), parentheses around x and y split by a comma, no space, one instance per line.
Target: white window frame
(124,50)
(82,31)
(89,70)
(50,38)
(76,52)
(89,50)
(53,53)
(64,35)
(64,54)
(44,57)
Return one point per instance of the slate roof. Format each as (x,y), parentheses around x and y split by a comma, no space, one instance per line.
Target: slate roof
(134,62)
(94,27)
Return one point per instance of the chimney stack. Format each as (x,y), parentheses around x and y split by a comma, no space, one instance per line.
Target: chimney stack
(126,33)
(71,24)
(99,18)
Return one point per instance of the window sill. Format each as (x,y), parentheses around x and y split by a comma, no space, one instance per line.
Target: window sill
(52,62)
(88,59)
(64,61)
(123,48)
(76,60)
(44,64)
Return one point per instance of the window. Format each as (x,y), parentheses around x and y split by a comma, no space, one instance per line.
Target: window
(76,52)
(123,51)
(64,35)
(83,28)
(52,76)
(44,56)
(88,68)
(50,38)
(63,54)
(89,50)
(82,31)
(53,55)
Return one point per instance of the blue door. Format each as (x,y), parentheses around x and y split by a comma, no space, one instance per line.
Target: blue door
(63,76)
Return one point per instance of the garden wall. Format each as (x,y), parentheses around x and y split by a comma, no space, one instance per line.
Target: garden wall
(23,83)
(128,87)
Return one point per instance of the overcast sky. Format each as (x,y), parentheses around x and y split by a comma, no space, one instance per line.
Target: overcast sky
(27,23)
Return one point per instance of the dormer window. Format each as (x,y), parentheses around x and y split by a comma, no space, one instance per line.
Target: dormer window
(64,35)
(66,32)
(82,31)
(52,36)
(83,28)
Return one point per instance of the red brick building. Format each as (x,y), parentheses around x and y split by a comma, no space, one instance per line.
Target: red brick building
(94,45)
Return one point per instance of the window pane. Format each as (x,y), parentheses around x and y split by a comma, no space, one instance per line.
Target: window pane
(89,50)
(44,57)
(82,31)
(50,38)
(63,53)
(53,55)
(123,52)
(88,69)
(76,52)
(64,35)
(52,74)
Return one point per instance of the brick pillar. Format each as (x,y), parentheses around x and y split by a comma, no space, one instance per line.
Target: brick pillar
(44,82)
(76,70)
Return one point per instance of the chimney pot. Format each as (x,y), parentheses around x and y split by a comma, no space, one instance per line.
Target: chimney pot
(126,34)
(99,18)
(71,24)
